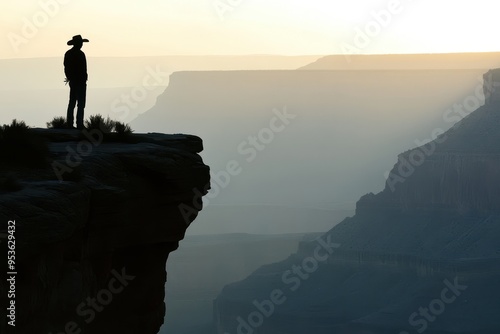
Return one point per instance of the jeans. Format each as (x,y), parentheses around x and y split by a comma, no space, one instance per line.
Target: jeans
(77,93)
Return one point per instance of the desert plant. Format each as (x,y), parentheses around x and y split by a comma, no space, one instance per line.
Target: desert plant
(123,129)
(16,130)
(15,127)
(57,123)
(19,145)
(98,122)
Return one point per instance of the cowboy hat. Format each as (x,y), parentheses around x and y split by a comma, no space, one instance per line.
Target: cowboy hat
(77,38)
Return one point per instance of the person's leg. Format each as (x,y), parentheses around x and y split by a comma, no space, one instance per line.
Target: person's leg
(82,96)
(71,105)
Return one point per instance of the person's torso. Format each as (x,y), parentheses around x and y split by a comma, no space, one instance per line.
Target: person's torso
(75,65)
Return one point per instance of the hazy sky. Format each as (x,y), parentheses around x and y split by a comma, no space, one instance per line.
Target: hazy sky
(33,28)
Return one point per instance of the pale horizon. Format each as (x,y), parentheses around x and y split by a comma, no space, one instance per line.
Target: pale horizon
(265,55)
(36,29)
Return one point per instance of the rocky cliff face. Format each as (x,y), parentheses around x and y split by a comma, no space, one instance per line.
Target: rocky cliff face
(93,231)
(492,86)
(432,231)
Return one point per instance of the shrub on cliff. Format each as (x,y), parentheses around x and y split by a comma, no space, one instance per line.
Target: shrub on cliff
(57,123)
(112,130)
(20,146)
(123,129)
(98,122)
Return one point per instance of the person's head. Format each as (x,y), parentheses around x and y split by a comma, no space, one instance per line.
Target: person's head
(77,41)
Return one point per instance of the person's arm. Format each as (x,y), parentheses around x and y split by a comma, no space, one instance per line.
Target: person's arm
(67,65)
(85,67)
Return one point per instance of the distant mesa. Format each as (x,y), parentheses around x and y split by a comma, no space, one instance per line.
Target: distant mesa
(450,61)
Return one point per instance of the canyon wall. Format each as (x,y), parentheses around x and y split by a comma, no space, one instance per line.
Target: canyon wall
(435,225)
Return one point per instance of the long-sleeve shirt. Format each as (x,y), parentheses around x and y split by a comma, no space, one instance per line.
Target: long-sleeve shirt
(75,65)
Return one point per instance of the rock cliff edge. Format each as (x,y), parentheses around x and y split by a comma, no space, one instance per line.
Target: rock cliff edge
(95,227)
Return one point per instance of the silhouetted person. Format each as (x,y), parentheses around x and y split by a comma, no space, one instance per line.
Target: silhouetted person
(75,68)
